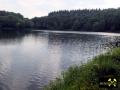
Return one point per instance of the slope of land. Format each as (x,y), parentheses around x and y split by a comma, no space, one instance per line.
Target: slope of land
(86,76)
(92,20)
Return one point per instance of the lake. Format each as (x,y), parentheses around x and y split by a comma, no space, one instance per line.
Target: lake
(30,61)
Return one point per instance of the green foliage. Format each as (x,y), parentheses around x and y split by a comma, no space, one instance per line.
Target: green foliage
(86,76)
(106,20)
(14,20)
(81,20)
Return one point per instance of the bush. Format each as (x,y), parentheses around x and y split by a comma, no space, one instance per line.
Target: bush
(86,76)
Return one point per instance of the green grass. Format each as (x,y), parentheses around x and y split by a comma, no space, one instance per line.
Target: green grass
(86,76)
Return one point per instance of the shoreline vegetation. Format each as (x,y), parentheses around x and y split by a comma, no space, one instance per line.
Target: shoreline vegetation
(86,76)
(91,20)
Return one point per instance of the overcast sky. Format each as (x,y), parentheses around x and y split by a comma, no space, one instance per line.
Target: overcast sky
(32,8)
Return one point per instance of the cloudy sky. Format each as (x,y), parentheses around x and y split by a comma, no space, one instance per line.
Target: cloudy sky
(31,8)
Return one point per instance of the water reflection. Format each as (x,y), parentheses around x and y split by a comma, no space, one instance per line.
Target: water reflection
(30,61)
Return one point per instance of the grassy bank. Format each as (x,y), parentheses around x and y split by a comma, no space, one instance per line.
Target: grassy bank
(86,76)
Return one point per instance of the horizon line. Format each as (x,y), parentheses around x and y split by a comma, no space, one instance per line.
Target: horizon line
(60,10)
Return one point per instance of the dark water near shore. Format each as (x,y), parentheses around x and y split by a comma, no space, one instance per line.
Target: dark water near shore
(30,61)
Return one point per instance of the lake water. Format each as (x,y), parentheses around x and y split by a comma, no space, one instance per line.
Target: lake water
(30,61)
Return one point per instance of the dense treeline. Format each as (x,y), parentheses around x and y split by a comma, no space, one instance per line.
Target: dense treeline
(81,20)
(106,20)
(10,20)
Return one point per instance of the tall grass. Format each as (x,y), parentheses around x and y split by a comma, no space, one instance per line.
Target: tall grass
(86,76)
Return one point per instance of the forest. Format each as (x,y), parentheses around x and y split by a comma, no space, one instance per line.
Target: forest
(10,20)
(92,20)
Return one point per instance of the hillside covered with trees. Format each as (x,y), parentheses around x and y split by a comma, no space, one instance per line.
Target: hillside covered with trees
(95,20)
(10,20)
(81,20)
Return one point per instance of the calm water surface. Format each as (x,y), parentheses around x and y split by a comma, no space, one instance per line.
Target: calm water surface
(30,61)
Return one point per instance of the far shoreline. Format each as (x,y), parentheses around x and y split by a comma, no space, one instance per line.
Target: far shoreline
(58,31)
(79,32)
